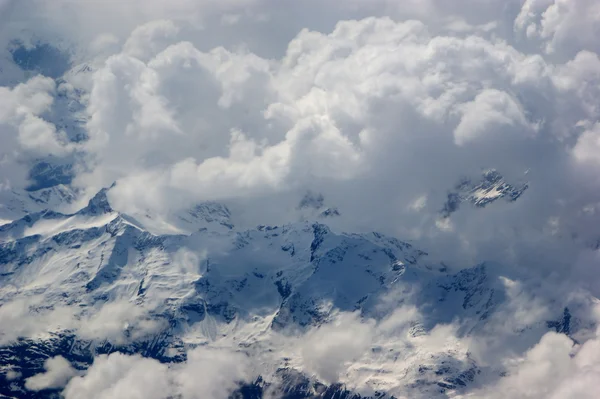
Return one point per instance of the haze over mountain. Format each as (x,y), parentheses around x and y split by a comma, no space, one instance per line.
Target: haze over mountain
(256,198)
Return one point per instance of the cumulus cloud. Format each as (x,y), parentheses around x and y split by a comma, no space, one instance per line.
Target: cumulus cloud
(211,374)
(28,318)
(368,355)
(347,113)
(206,374)
(25,134)
(118,322)
(586,149)
(562,26)
(510,355)
(322,132)
(554,368)
(58,372)
(489,109)
(121,376)
(12,375)
(327,350)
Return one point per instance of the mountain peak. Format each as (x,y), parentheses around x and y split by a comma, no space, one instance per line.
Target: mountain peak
(312,200)
(313,206)
(99,204)
(490,187)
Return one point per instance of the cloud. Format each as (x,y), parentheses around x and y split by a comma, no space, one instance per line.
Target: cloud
(27,318)
(554,368)
(211,374)
(58,373)
(206,374)
(347,113)
(26,135)
(490,108)
(341,108)
(561,25)
(147,40)
(368,355)
(12,375)
(327,350)
(586,149)
(120,376)
(119,322)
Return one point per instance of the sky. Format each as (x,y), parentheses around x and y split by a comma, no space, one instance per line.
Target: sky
(383,106)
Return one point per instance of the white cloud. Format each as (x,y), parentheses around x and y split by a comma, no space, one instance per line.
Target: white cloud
(207,374)
(119,376)
(563,26)
(24,132)
(27,318)
(149,39)
(58,372)
(588,144)
(211,374)
(341,112)
(324,131)
(21,108)
(118,322)
(554,368)
(329,349)
(12,375)
(489,109)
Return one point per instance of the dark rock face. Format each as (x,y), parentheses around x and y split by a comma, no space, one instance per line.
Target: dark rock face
(562,326)
(98,204)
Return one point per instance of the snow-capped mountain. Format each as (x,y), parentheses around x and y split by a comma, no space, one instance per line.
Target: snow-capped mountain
(101,281)
(15,204)
(312,206)
(98,281)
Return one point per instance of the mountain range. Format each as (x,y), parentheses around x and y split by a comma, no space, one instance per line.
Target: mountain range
(99,281)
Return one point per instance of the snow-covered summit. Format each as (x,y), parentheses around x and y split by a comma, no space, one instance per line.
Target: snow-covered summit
(491,187)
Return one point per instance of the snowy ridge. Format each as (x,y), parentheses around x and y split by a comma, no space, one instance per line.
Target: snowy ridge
(206,215)
(15,204)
